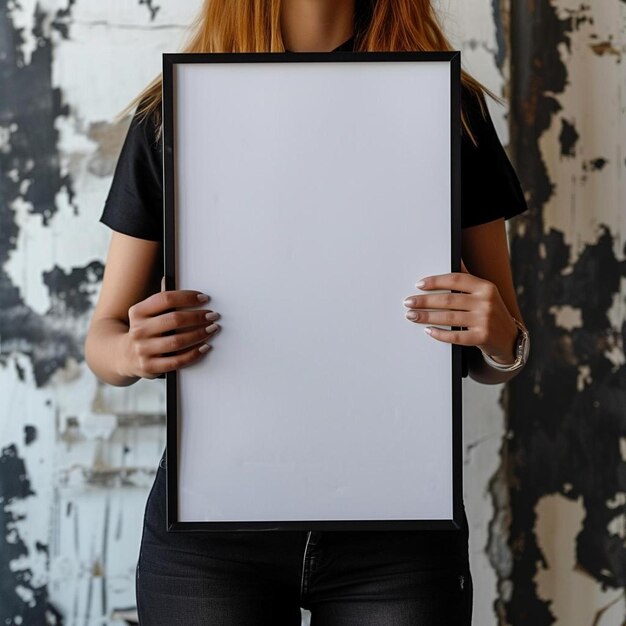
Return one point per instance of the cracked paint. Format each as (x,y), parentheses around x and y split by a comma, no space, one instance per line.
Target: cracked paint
(76,465)
(565,411)
(581,601)
(22,598)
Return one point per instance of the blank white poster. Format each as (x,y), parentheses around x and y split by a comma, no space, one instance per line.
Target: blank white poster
(310,197)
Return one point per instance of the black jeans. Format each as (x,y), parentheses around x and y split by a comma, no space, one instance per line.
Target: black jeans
(345,578)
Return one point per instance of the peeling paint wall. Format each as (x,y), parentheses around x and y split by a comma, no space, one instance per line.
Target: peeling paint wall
(545,456)
(76,457)
(563,459)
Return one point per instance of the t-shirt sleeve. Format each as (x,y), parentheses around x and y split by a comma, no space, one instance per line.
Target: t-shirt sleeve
(134,205)
(490,187)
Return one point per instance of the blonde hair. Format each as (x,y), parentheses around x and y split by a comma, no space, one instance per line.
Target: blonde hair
(254,26)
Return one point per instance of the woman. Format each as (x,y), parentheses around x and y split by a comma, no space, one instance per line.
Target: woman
(264,577)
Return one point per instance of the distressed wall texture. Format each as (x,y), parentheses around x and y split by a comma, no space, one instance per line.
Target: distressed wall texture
(545,455)
(564,459)
(76,457)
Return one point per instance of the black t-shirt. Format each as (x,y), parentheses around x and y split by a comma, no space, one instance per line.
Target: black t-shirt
(489,185)
(490,188)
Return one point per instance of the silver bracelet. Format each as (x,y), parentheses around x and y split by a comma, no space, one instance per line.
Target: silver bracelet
(522,349)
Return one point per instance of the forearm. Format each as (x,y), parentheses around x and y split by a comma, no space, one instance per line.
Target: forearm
(105,351)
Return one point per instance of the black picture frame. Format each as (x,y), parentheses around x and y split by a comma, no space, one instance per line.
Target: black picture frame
(170,62)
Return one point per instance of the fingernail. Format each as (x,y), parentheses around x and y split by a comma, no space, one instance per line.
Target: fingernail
(204,347)
(420,283)
(428,330)
(203,297)
(408,301)
(413,315)
(211,328)
(212,315)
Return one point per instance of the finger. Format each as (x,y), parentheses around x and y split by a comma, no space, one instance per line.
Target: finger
(160,365)
(163,301)
(442,318)
(457,301)
(460,337)
(456,281)
(178,320)
(161,346)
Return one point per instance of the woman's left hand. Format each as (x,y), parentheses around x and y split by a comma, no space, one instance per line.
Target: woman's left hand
(479,308)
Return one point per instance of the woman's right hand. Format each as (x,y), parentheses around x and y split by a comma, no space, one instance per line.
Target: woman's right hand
(149,353)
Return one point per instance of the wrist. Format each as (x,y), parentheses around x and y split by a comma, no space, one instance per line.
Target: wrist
(123,359)
(104,351)
(509,354)
(520,351)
